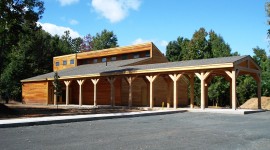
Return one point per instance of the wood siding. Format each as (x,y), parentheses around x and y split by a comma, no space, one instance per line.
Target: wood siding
(35,92)
(61,59)
(115,51)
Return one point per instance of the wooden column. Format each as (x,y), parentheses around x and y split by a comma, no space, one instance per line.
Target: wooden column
(169,89)
(259,94)
(80,82)
(129,81)
(192,91)
(230,93)
(111,81)
(175,78)
(233,76)
(67,83)
(54,97)
(233,90)
(202,76)
(151,79)
(95,81)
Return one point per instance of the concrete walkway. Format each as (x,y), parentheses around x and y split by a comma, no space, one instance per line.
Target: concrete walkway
(76,118)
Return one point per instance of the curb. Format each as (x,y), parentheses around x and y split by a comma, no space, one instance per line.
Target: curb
(78,118)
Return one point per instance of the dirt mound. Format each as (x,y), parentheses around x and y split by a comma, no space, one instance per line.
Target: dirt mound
(253,103)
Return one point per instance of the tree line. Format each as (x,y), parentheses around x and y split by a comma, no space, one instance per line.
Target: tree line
(205,44)
(27,50)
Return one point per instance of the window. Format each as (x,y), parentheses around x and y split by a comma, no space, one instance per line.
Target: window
(85,61)
(95,60)
(104,59)
(57,63)
(147,54)
(124,57)
(136,56)
(64,62)
(113,58)
(71,61)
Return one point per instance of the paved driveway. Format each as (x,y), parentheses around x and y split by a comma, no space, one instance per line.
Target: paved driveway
(173,131)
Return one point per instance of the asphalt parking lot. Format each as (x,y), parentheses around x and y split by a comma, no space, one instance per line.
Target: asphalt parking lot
(172,131)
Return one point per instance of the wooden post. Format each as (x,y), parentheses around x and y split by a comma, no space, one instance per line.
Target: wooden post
(129,81)
(169,89)
(233,76)
(111,81)
(202,76)
(259,94)
(206,94)
(151,79)
(80,82)
(54,97)
(95,81)
(67,83)
(230,93)
(233,90)
(192,91)
(175,78)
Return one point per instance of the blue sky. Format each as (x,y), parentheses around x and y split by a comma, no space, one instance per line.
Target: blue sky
(242,23)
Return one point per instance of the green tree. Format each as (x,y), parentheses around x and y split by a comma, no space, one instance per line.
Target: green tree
(16,17)
(176,50)
(263,61)
(105,39)
(17,20)
(246,88)
(218,46)
(57,86)
(199,46)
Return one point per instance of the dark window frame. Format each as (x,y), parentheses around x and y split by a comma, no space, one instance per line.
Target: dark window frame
(71,61)
(95,60)
(124,57)
(104,59)
(113,58)
(64,62)
(136,55)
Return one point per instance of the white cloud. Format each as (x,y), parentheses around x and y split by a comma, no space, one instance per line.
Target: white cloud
(161,44)
(59,30)
(73,22)
(67,2)
(115,10)
(140,41)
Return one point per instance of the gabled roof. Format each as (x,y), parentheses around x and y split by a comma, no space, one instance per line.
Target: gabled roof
(122,67)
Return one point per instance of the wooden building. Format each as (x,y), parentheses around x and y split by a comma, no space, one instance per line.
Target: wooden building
(137,75)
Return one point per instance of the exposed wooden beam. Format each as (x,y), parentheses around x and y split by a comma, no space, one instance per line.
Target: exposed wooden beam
(80,82)
(151,79)
(202,76)
(129,81)
(67,83)
(191,90)
(95,81)
(175,78)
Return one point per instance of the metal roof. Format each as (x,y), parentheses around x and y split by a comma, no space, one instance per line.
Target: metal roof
(122,66)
